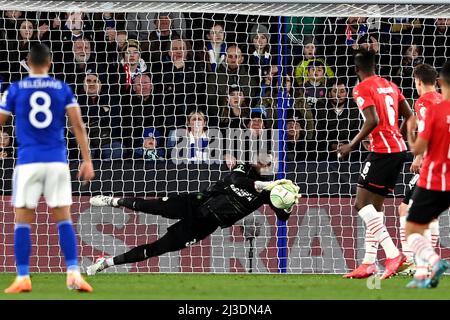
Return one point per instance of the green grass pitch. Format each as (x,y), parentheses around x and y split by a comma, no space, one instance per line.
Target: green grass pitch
(222,287)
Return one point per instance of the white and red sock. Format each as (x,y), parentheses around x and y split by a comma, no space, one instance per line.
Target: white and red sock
(375,224)
(421,268)
(371,245)
(434,232)
(405,246)
(422,249)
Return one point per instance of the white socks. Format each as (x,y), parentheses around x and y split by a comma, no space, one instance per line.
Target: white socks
(432,234)
(375,225)
(425,253)
(371,245)
(115,201)
(405,246)
(73,269)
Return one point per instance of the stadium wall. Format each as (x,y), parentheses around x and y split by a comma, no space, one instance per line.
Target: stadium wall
(162,178)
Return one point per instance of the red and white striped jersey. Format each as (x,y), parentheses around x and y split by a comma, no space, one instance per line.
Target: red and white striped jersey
(426,100)
(435,128)
(385,97)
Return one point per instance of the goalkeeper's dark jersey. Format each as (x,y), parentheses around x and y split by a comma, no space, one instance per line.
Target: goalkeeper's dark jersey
(234,197)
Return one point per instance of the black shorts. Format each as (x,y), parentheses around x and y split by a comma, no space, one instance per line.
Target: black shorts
(409,190)
(193,225)
(380,172)
(427,205)
(185,233)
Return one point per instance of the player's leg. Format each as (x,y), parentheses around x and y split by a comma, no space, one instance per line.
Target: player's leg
(377,179)
(58,195)
(426,206)
(174,207)
(22,250)
(368,266)
(178,236)
(68,244)
(432,233)
(403,212)
(365,198)
(27,188)
(369,206)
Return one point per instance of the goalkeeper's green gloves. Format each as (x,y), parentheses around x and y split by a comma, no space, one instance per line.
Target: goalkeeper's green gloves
(269,185)
(297,194)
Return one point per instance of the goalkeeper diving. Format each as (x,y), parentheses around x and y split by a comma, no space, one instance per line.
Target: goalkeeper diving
(235,196)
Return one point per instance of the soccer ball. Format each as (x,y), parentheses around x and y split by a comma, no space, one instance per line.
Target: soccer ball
(282,196)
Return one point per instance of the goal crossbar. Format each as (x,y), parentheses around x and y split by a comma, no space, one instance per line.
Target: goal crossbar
(376,9)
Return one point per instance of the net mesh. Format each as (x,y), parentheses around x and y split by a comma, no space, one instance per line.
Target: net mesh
(169,90)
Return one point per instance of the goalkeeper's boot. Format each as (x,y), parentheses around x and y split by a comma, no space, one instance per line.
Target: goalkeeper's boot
(76,282)
(363,271)
(437,271)
(98,266)
(22,284)
(393,265)
(102,201)
(419,283)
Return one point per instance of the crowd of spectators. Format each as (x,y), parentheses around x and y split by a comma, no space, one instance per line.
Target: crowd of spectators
(140,77)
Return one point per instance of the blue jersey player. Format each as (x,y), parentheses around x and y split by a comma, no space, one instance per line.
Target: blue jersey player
(40,104)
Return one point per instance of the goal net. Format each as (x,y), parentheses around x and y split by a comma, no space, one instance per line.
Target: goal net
(173,93)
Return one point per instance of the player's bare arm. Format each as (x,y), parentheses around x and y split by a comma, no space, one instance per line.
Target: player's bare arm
(404,111)
(417,145)
(371,116)
(86,171)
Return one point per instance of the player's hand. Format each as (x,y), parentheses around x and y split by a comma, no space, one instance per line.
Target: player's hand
(366,144)
(415,165)
(343,150)
(273,184)
(86,172)
(292,185)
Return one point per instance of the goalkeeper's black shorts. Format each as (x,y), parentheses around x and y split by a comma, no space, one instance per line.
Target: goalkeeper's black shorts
(194,224)
(185,233)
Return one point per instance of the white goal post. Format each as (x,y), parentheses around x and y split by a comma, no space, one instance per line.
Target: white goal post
(294,90)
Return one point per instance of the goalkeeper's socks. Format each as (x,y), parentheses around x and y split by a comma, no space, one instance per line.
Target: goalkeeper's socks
(67,241)
(22,248)
(374,222)
(422,248)
(115,202)
(371,245)
(405,246)
(109,262)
